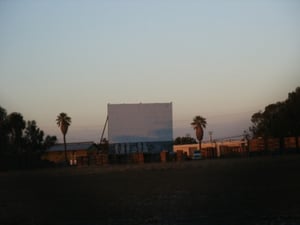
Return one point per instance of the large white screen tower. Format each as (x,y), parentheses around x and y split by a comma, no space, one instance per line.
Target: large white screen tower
(146,126)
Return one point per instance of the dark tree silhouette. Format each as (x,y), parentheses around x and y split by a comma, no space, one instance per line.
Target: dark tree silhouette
(279,119)
(184,140)
(21,148)
(49,141)
(3,130)
(3,114)
(33,137)
(16,125)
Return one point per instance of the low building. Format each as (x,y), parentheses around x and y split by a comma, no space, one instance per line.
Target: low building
(214,149)
(56,153)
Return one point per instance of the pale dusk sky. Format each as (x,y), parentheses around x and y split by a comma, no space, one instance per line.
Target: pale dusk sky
(223,60)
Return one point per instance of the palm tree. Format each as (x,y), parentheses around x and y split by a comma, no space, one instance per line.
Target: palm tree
(3,114)
(3,130)
(64,121)
(16,125)
(198,124)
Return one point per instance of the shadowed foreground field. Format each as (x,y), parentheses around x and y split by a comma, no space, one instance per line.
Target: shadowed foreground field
(262,190)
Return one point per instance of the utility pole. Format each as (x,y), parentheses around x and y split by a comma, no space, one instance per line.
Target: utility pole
(101,139)
(210,136)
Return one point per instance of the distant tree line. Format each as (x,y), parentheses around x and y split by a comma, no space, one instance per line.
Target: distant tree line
(19,138)
(185,140)
(281,119)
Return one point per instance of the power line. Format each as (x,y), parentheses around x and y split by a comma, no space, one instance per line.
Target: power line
(230,137)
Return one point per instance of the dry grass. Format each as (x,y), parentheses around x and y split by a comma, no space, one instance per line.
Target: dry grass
(233,191)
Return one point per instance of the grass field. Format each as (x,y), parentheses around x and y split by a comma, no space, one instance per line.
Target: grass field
(263,190)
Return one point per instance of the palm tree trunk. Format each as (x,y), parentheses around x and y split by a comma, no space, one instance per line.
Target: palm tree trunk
(65,147)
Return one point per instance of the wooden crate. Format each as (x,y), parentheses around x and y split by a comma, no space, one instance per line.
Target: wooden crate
(290,142)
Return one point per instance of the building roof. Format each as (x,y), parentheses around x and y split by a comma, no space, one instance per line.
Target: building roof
(71,147)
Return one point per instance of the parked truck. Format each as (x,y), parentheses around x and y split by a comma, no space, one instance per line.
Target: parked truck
(196,155)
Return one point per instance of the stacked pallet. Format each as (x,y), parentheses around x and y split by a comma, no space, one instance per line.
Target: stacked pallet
(179,155)
(141,158)
(101,159)
(210,153)
(163,156)
(224,150)
(290,143)
(138,158)
(257,145)
(82,161)
(273,144)
(230,151)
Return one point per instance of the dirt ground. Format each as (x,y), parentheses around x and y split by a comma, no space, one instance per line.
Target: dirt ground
(261,191)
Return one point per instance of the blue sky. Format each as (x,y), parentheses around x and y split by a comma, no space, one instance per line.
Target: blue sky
(223,60)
